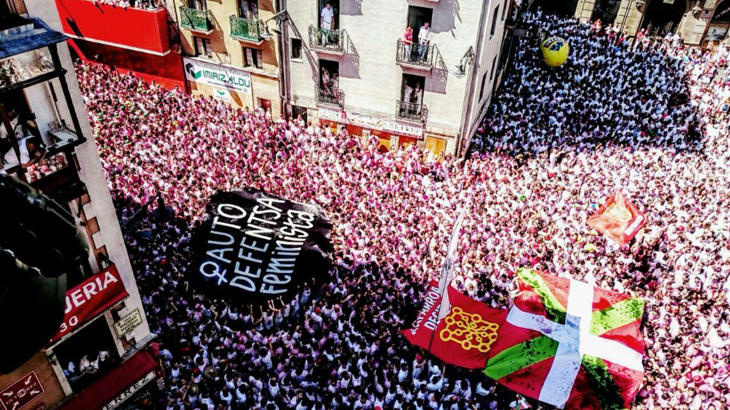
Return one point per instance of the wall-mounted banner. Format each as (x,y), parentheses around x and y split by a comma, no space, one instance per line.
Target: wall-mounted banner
(254,247)
(91,297)
(217,75)
(367,121)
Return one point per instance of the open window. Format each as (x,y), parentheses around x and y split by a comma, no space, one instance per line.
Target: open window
(87,355)
(328,14)
(197,4)
(248,9)
(410,105)
(329,81)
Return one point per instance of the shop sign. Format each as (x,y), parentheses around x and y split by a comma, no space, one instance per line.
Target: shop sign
(403,129)
(128,323)
(222,94)
(90,298)
(364,121)
(370,122)
(22,392)
(130,391)
(332,115)
(217,75)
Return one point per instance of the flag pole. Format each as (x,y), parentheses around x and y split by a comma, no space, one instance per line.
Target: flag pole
(447,269)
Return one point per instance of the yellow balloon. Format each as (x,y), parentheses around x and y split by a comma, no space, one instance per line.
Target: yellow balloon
(555,51)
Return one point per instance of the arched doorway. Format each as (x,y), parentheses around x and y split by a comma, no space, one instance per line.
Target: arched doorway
(563,8)
(663,16)
(718,28)
(606,11)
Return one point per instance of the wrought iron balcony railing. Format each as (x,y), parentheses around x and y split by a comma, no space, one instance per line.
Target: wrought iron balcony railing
(327,40)
(416,55)
(410,111)
(246,29)
(326,96)
(194,19)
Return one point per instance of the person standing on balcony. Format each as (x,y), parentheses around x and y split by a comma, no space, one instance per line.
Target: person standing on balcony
(424,38)
(326,90)
(407,97)
(326,22)
(408,42)
(416,100)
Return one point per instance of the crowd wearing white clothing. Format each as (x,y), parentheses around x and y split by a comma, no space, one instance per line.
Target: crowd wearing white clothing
(553,146)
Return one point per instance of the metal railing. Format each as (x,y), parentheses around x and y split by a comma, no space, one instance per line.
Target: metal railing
(415,54)
(246,29)
(410,111)
(326,39)
(194,19)
(329,96)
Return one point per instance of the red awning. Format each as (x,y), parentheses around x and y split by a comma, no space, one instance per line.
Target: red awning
(113,383)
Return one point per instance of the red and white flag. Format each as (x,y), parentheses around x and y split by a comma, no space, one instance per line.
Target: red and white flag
(618,219)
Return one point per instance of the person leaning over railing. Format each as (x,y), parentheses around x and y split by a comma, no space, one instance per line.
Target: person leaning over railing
(424,39)
(407,43)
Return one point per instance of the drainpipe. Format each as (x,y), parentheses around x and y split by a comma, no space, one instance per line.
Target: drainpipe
(464,130)
(284,68)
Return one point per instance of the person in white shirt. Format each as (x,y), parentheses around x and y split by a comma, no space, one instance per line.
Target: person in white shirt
(326,22)
(424,38)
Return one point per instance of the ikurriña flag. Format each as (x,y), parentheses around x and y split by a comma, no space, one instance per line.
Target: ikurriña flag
(618,219)
(569,344)
(460,333)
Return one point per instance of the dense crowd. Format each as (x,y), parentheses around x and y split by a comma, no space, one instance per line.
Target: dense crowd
(555,143)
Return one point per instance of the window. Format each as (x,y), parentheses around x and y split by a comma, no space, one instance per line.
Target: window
(484,82)
(252,58)
(504,9)
(248,9)
(296,48)
(494,63)
(202,47)
(494,21)
(197,4)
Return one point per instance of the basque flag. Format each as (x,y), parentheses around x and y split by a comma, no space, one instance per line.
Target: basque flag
(569,344)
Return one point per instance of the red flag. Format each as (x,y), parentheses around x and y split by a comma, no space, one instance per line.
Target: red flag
(618,219)
(462,334)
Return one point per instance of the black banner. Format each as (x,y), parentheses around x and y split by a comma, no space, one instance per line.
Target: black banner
(254,247)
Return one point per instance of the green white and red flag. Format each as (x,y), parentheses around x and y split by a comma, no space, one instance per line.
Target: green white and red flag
(569,344)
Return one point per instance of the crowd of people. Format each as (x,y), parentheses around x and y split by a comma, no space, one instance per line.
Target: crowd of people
(140,4)
(554,145)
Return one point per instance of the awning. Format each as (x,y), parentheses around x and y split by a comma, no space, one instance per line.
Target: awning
(114,383)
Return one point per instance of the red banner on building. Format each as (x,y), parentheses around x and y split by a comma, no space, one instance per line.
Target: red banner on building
(618,219)
(462,334)
(20,393)
(91,297)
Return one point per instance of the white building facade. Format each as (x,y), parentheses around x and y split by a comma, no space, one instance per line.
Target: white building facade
(356,69)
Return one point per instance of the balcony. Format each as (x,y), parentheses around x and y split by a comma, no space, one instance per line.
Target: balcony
(200,21)
(415,56)
(412,112)
(144,30)
(335,98)
(249,31)
(327,41)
